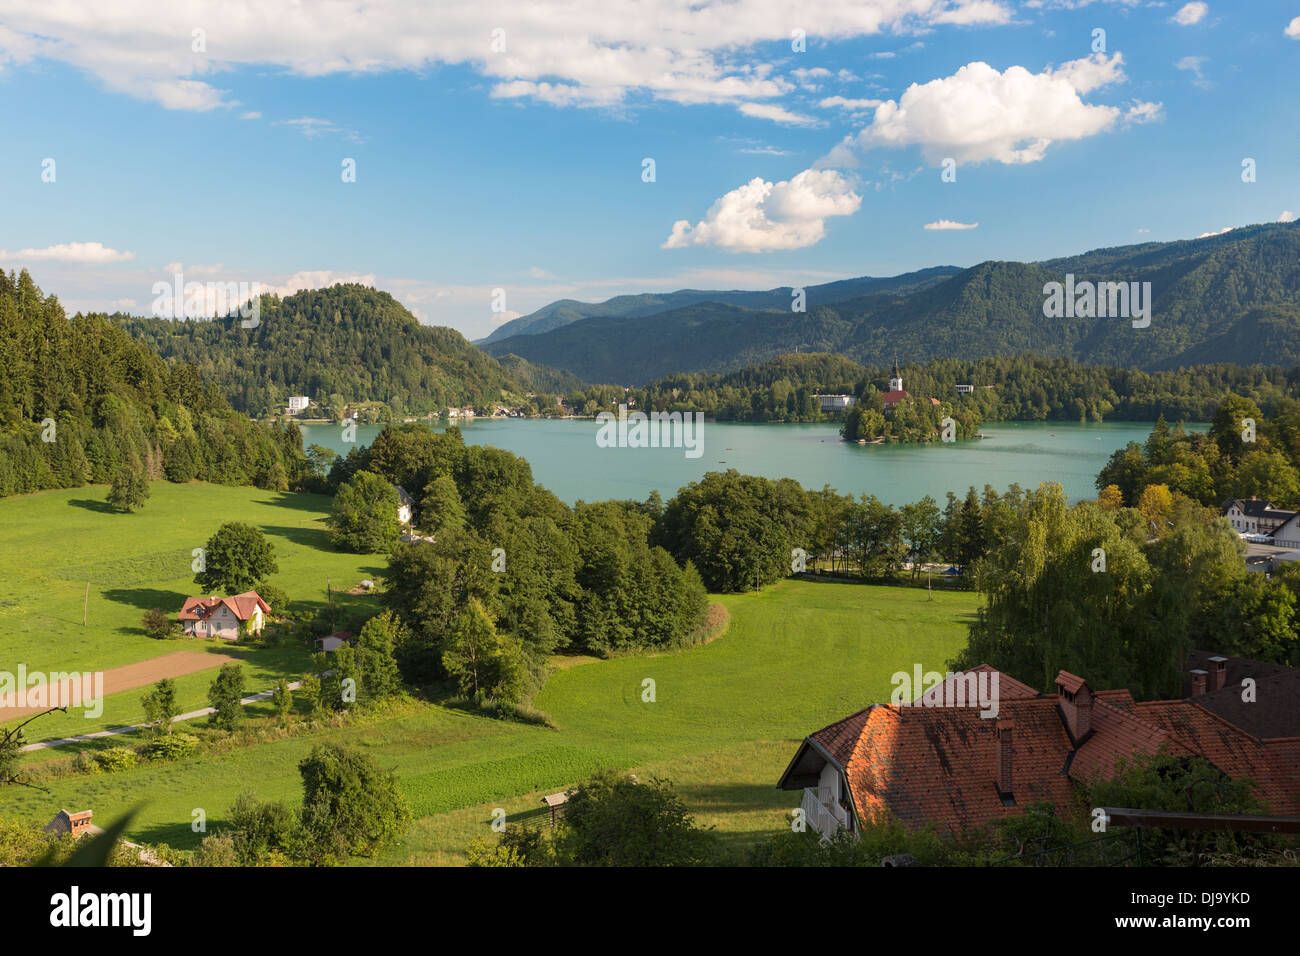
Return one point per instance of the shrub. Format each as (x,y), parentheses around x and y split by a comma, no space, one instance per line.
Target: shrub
(172,747)
(116,758)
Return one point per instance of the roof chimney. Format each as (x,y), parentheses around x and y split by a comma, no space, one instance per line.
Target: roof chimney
(1005,750)
(1198,683)
(1074,698)
(1218,672)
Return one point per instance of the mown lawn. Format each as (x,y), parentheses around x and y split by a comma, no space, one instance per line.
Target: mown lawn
(723,723)
(54,543)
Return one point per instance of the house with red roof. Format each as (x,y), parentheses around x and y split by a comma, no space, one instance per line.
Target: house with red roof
(896,394)
(223,616)
(959,766)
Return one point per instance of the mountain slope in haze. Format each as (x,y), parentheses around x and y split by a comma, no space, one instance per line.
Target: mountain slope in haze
(347,343)
(1207,296)
(567,311)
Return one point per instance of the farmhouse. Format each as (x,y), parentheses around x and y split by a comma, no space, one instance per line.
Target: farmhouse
(927,763)
(222,617)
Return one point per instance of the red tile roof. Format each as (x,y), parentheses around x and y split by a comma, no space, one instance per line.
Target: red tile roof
(893,396)
(929,763)
(241,605)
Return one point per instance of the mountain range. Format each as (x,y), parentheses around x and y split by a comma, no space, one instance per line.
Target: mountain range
(1231,297)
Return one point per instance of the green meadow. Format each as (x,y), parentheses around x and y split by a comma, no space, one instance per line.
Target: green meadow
(720,720)
(54,544)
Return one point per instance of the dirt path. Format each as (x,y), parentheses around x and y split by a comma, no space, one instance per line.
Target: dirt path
(128,677)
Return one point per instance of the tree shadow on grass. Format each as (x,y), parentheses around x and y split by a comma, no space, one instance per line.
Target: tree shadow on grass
(147,598)
(303,501)
(316,538)
(91,504)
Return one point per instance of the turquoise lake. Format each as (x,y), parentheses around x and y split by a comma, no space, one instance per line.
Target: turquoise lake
(566,459)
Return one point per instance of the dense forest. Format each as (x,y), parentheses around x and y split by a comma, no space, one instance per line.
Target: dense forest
(342,345)
(1234,297)
(80,401)
(1019,388)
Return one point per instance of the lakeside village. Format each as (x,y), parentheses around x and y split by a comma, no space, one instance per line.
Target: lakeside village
(875,417)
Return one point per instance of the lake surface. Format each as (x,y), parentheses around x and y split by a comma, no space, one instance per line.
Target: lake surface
(566,459)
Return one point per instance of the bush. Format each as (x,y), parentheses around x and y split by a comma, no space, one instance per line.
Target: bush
(157,624)
(172,747)
(85,762)
(218,849)
(116,758)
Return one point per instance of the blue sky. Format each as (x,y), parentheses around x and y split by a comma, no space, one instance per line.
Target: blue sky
(481,168)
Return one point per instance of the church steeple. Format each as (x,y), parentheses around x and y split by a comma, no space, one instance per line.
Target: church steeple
(896,382)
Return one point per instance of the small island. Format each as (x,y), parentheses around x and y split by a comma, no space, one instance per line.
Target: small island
(896,416)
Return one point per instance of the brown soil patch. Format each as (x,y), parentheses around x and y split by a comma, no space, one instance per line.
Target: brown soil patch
(128,676)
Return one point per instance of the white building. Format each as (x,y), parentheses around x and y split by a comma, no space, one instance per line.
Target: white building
(1255,516)
(965,389)
(835,403)
(298,403)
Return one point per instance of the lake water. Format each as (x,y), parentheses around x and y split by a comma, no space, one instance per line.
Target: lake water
(566,459)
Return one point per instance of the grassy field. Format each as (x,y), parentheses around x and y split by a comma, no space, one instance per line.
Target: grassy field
(724,720)
(52,544)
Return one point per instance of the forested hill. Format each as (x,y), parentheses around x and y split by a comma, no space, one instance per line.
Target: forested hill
(81,400)
(348,343)
(1233,297)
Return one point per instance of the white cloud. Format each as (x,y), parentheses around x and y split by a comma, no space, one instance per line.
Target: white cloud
(761,216)
(1144,112)
(567,52)
(1293,29)
(840,102)
(91,252)
(539,273)
(1193,64)
(250,115)
(980,114)
(1191,13)
(313,127)
(315,279)
(1217,232)
(946,224)
(778,114)
(1287,216)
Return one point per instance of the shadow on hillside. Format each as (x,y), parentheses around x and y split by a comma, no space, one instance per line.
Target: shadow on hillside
(307,537)
(179,835)
(303,501)
(90,504)
(146,598)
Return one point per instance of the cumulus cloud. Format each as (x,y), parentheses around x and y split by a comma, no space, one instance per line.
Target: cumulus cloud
(1011,117)
(1191,13)
(761,216)
(90,252)
(943,225)
(564,52)
(315,279)
(1217,232)
(1293,29)
(1287,216)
